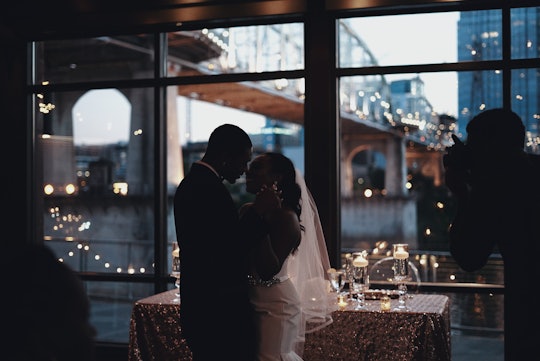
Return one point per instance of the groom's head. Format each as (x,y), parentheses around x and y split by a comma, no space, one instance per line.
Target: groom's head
(229,150)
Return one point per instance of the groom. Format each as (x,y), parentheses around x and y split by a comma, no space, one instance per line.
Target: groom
(216,316)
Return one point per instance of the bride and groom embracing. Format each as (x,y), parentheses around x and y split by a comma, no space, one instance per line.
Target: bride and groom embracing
(253,281)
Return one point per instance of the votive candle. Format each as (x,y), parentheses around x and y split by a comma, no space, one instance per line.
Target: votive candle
(385,303)
(360,261)
(401,253)
(342,303)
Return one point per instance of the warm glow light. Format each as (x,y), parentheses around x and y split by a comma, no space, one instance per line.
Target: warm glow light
(120,188)
(386,304)
(342,303)
(70,189)
(368,193)
(48,189)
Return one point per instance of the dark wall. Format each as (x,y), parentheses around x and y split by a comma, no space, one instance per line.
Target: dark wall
(15,148)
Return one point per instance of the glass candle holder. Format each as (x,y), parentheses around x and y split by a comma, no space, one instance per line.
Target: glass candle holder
(360,278)
(176,272)
(400,253)
(342,303)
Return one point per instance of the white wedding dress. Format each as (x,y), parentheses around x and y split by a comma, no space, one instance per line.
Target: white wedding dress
(279,318)
(286,311)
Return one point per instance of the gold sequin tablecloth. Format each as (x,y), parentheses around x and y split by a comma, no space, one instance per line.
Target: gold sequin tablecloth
(422,333)
(154,331)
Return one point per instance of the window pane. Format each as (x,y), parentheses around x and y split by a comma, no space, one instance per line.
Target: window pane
(525,102)
(420,38)
(398,39)
(247,49)
(110,307)
(392,142)
(413,103)
(478,90)
(98,157)
(394,130)
(480,35)
(525,23)
(95,59)
(477,315)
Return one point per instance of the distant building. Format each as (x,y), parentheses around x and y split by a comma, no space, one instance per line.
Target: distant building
(480,39)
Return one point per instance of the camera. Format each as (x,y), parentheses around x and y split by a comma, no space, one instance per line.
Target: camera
(458,155)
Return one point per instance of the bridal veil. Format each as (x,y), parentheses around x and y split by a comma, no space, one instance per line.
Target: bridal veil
(308,267)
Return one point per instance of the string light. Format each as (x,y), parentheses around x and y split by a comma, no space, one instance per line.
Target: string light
(66,225)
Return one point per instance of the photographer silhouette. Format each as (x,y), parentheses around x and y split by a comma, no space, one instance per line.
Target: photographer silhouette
(497,188)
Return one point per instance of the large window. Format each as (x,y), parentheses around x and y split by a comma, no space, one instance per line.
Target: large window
(395,126)
(119,119)
(107,197)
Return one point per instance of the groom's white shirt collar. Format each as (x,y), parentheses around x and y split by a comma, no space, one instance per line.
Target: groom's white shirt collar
(209,166)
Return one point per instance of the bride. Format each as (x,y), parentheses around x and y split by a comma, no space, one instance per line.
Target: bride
(287,267)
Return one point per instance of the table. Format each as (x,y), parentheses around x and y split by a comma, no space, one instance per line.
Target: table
(421,333)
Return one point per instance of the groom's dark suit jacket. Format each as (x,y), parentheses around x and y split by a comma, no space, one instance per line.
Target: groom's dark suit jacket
(213,256)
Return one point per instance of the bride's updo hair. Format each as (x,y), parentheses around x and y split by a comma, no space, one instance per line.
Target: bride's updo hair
(290,190)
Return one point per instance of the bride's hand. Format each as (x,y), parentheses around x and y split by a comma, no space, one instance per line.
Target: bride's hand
(267,199)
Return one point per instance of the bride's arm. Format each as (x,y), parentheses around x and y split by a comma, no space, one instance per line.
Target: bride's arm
(283,236)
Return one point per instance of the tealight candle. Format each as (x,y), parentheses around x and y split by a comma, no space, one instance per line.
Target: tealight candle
(342,303)
(400,253)
(385,303)
(176,262)
(360,261)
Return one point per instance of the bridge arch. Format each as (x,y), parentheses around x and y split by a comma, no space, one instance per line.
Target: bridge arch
(391,147)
